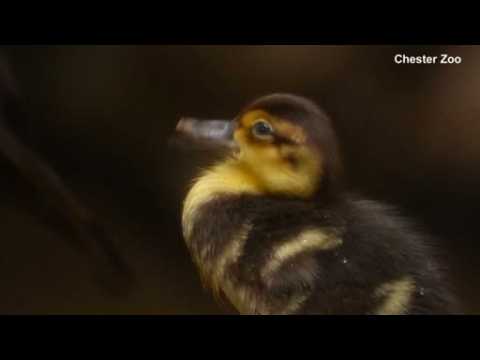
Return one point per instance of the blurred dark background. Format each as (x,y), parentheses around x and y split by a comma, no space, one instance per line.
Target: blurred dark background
(103,116)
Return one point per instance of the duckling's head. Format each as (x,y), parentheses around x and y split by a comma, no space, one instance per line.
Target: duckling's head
(280,144)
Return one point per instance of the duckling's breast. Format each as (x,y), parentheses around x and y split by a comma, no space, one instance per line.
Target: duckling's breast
(257,255)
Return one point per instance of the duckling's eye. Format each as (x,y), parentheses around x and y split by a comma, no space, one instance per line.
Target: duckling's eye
(262,130)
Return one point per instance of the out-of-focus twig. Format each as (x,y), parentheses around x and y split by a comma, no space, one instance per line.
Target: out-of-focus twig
(93,238)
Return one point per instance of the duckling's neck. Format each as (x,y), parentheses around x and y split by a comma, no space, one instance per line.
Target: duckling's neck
(239,176)
(229,177)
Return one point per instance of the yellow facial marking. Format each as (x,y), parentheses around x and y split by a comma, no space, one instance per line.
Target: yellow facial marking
(292,132)
(251,117)
(397,295)
(308,240)
(291,167)
(282,127)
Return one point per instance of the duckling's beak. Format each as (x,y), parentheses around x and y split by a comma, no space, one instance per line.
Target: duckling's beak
(210,132)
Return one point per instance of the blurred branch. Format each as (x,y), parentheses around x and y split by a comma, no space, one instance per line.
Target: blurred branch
(93,238)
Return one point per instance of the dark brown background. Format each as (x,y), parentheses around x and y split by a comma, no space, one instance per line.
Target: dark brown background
(103,116)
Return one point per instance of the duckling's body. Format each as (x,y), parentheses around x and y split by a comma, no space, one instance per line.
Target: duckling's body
(278,236)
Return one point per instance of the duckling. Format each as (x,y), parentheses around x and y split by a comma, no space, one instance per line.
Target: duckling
(273,229)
